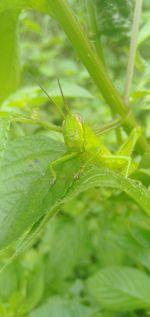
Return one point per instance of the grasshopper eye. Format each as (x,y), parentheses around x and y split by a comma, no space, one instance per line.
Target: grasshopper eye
(78,117)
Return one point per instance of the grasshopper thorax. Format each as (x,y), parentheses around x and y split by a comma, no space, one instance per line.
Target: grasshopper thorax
(73,132)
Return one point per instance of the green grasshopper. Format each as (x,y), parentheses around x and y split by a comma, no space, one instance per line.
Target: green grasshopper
(81,141)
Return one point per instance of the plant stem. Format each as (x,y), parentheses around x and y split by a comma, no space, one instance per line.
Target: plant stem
(95,37)
(133,46)
(80,42)
(65,16)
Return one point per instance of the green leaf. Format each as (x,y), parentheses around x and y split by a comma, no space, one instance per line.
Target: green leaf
(34,96)
(27,197)
(57,306)
(67,237)
(71,90)
(35,283)
(95,177)
(141,236)
(139,94)
(8,283)
(120,288)
(22,284)
(24,185)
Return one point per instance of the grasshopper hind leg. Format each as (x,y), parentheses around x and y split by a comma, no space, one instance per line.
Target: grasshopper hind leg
(128,146)
(119,163)
(127,172)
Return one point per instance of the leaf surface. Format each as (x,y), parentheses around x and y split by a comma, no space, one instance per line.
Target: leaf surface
(57,306)
(27,197)
(120,288)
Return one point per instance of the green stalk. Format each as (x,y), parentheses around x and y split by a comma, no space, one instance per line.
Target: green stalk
(96,40)
(133,46)
(65,16)
(80,42)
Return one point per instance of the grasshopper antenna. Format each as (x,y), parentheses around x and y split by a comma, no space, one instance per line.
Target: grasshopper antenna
(113,124)
(63,97)
(51,100)
(48,96)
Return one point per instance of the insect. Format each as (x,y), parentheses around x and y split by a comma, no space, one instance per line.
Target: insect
(81,141)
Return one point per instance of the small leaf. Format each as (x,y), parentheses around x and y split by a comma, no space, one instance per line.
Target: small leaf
(34,286)
(120,288)
(68,237)
(144,33)
(8,283)
(59,307)
(139,94)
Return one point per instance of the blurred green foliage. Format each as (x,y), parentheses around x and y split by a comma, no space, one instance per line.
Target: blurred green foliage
(92,259)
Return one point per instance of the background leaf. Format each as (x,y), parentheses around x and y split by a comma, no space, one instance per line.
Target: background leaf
(120,288)
(63,308)
(22,284)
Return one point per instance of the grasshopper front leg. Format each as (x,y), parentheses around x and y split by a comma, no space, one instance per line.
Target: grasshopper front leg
(66,157)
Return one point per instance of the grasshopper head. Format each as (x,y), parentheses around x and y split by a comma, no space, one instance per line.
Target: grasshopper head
(73,132)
